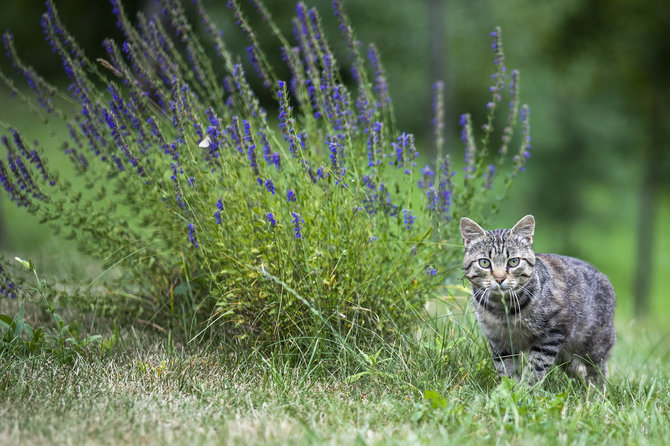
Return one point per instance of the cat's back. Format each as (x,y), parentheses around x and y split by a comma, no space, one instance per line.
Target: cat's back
(587,300)
(579,281)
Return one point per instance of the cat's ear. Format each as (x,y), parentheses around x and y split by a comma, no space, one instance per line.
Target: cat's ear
(525,228)
(470,230)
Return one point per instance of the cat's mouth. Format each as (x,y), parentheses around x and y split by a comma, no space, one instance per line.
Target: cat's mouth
(503,291)
(499,288)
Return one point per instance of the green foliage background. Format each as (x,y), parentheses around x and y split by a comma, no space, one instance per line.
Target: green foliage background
(587,67)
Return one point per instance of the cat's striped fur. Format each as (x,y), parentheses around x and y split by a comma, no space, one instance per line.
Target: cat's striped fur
(553,309)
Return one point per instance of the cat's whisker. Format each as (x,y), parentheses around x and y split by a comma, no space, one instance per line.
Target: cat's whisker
(519,305)
(515,301)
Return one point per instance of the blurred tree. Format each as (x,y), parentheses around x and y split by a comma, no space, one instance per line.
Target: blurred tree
(631,40)
(437,38)
(90,22)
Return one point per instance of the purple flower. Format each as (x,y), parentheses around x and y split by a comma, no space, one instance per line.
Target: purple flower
(236,135)
(381,85)
(496,46)
(298,221)
(524,150)
(213,120)
(369,182)
(405,151)
(302,137)
(253,53)
(7,287)
(490,173)
(335,148)
(445,187)
(314,100)
(339,110)
(270,157)
(192,236)
(408,218)
(499,76)
(274,158)
(463,121)
(269,186)
(290,195)
(31,156)
(514,84)
(217,213)
(251,150)
(245,92)
(352,43)
(431,271)
(271,219)
(427,172)
(428,178)
(176,171)
(286,120)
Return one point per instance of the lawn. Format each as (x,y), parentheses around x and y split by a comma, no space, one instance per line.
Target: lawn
(431,388)
(141,386)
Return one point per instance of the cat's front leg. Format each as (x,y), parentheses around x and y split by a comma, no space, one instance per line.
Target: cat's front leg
(505,362)
(543,354)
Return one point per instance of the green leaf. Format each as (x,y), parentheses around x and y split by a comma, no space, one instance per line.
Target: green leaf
(5,321)
(437,401)
(353,378)
(425,235)
(90,339)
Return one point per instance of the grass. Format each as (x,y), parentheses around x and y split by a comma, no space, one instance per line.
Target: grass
(147,391)
(425,389)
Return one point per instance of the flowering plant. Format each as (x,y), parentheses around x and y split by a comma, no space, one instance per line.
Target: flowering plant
(322,221)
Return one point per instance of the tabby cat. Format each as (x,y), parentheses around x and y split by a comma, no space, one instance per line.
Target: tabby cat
(551,308)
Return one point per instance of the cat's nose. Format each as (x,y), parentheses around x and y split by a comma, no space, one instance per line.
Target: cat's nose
(499,278)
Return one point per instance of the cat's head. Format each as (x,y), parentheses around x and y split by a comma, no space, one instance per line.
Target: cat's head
(502,259)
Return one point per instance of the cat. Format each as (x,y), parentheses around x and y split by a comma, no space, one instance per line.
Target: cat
(553,309)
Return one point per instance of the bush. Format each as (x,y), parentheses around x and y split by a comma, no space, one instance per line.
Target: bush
(312,220)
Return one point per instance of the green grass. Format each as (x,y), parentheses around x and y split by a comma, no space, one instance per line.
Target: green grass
(146,391)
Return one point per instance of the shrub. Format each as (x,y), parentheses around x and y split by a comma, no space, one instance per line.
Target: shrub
(314,218)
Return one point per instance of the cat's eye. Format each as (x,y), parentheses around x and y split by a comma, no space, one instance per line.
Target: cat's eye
(513,262)
(484,263)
